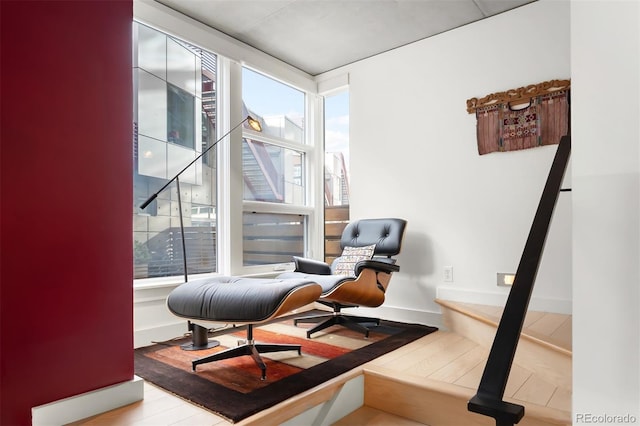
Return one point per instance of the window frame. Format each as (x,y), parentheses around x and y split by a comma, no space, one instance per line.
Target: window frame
(231,56)
(309,148)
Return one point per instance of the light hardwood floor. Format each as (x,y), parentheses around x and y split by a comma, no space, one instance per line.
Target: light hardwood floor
(158,408)
(455,360)
(442,356)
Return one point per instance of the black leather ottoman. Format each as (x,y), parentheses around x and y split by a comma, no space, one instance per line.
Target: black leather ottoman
(240,300)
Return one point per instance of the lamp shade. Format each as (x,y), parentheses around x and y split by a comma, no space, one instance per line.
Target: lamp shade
(255,124)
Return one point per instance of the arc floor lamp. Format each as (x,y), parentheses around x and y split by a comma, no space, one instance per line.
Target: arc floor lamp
(199,334)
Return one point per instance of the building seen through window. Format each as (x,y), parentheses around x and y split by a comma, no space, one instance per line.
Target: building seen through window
(273,171)
(174,106)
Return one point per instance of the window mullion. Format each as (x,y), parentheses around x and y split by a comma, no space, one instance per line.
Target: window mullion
(234,173)
(224,165)
(266,207)
(283,143)
(315,177)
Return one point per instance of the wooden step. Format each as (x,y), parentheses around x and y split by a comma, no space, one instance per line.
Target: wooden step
(374,417)
(553,329)
(322,395)
(437,403)
(544,346)
(431,380)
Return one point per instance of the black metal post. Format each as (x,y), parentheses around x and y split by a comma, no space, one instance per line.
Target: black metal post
(488,400)
(182,236)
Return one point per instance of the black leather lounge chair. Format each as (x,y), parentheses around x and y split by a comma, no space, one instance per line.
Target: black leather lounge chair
(368,272)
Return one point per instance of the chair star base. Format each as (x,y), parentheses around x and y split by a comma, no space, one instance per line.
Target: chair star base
(250,348)
(351,322)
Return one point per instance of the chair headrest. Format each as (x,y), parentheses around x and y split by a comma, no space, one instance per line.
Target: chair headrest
(385,233)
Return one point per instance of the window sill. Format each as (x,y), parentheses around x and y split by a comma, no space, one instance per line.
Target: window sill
(163,282)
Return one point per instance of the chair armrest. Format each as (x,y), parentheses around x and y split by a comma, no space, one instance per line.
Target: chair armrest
(310,266)
(377,265)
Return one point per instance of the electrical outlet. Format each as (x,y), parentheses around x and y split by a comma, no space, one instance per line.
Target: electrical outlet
(448,274)
(506,279)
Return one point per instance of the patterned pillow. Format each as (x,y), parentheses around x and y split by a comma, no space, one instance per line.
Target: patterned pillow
(346,264)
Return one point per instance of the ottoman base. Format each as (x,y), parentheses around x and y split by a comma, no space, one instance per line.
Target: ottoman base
(250,348)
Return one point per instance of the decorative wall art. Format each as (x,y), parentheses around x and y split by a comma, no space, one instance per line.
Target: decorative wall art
(527,117)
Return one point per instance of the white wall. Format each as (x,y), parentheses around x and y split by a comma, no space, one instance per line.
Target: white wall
(605,50)
(414,155)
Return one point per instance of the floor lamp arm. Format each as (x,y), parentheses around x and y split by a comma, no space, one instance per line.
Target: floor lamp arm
(155,195)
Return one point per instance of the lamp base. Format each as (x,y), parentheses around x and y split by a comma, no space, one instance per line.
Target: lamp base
(199,339)
(191,347)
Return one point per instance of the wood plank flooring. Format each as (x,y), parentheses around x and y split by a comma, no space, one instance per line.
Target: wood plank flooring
(158,408)
(441,356)
(450,358)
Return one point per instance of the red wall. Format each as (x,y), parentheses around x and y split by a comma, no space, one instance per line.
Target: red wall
(66,302)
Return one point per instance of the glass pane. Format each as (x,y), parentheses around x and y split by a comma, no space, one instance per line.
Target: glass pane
(180,117)
(272,173)
(279,107)
(152,51)
(272,238)
(152,105)
(336,132)
(152,159)
(177,158)
(181,67)
(159,156)
(336,172)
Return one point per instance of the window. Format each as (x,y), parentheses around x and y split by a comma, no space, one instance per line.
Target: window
(336,171)
(273,169)
(181,92)
(174,106)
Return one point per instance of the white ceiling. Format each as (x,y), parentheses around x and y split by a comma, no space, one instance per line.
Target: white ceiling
(320,35)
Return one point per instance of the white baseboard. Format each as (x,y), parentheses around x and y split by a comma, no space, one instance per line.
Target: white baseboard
(159,333)
(557,306)
(88,404)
